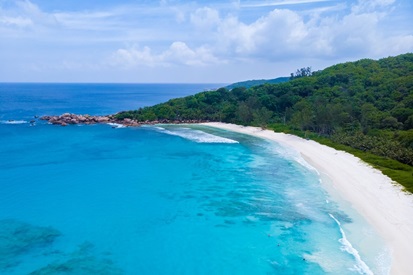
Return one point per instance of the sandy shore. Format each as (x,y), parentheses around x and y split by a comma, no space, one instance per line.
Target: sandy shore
(372,194)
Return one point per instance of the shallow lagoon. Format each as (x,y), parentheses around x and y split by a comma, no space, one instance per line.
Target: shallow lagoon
(163,200)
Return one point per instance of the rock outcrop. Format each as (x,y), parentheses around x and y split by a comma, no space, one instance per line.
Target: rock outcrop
(66,119)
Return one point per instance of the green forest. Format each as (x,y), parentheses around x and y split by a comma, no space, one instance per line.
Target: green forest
(365,107)
(256,82)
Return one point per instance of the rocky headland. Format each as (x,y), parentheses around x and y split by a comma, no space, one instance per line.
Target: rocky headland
(67,119)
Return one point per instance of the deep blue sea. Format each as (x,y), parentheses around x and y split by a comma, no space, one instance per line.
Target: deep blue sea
(162,199)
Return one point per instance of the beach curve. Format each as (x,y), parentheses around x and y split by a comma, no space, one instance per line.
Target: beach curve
(381,202)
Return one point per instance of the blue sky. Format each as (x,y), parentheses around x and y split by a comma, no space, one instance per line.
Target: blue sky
(193,41)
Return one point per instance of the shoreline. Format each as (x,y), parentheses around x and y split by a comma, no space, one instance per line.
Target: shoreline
(382,203)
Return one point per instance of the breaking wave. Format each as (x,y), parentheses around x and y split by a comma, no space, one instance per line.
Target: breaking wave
(291,154)
(13,121)
(196,135)
(360,266)
(116,125)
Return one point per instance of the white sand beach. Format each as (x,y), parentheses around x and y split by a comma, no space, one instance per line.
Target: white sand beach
(382,203)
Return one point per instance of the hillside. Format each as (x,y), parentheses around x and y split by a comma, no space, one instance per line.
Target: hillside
(366,105)
(256,82)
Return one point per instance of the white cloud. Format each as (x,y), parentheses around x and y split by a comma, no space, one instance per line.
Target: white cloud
(18,21)
(282,34)
(278,33)
(371,5)
(205,18)
(33,12)
(334,32)
(133,56)
(180,15)
(177,53)
(97,21)
(220,35)
(281,3)
(24,17)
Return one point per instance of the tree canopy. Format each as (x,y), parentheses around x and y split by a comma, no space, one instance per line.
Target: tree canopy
(365,104)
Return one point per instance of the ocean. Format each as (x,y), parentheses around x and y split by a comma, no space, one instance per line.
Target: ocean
(163,199)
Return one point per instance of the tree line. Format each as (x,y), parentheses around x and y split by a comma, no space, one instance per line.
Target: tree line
(366,104)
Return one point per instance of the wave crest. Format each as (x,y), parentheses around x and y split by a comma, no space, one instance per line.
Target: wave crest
(360,266)
(117,125)
(13,122)
(196,135)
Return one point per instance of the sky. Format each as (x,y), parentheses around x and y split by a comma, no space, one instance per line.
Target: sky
(174,41)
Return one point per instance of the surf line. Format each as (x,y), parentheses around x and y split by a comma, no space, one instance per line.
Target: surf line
(348,247)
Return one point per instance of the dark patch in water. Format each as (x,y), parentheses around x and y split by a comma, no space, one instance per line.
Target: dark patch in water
(80,261)
(80,265)
(17,238)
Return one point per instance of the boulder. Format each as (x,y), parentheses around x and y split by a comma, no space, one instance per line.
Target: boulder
(81,118)
(102,119)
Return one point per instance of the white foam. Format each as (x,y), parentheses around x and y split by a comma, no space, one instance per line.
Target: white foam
(13,122)
(360,266)
(116,125)
(197,135)
(293,155)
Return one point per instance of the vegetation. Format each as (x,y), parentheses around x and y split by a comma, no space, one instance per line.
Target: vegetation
(256,82)
(399,172)
(364,107)
(301,73)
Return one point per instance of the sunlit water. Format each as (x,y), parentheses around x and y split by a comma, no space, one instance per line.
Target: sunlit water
(163,199)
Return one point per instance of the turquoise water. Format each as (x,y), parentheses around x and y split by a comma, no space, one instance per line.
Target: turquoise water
(165,200)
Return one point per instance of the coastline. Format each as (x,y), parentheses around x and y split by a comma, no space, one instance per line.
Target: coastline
(373,195)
